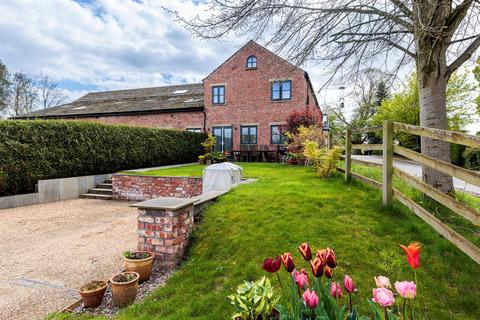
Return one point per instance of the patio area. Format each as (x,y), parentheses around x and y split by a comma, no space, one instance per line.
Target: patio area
(49,250)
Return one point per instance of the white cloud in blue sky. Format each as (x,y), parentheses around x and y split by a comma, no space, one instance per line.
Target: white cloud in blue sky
(95,45)
(106,44)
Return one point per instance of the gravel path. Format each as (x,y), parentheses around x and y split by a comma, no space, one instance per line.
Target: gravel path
(49,250)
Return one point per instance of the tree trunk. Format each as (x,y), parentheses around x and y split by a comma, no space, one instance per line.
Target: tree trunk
(432,83)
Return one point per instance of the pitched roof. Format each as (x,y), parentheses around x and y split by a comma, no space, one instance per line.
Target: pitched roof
(187,97)
(252,43)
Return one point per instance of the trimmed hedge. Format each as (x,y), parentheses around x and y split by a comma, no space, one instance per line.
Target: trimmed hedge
(35,150)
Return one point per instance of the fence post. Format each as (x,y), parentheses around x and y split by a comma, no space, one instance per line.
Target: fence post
(329,141)
(387,165)
(348,155)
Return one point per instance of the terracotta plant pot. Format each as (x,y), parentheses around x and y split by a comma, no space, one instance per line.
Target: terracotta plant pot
(142,266)
(124,288)
(92,293)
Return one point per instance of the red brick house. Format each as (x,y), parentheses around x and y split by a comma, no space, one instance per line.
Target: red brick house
(243,101)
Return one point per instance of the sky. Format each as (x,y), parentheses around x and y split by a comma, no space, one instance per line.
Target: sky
(89,45)
(98,45)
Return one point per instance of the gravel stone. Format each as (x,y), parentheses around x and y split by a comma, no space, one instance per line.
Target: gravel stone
(157,279)
(55,248)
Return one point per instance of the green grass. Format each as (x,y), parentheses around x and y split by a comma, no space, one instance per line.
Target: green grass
(455,221)
(289,205)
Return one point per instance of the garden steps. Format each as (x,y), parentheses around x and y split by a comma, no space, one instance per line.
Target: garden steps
(101,191)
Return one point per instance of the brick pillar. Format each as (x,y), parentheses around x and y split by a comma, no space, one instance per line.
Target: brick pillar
(165,232)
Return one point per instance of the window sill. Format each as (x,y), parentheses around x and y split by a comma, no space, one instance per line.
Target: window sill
(278,101)
(247,69)
(218,104)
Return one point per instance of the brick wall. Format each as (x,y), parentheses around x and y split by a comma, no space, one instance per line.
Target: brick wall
(133,187)
(248,93)
(174,120)
(165,233)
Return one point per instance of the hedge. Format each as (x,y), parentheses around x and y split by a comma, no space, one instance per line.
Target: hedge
(35,150)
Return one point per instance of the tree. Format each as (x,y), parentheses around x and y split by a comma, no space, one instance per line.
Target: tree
(23,94)
(4,86)
(369,91)
(49,93)
(476,74)
(404,107)
(438,36)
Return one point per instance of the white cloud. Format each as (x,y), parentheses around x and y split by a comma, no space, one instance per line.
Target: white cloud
(111,44)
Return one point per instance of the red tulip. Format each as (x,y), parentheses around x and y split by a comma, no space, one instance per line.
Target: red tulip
(317,267)
(322,254)
(330,258)
(412,252)
(328,272)
(288,262)
(348,284)
(271,265)
(305,251)
(336,290)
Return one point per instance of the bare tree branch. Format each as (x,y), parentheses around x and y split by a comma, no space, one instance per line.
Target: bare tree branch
(467,54)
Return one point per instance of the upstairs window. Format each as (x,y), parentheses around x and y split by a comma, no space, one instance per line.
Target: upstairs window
(281,90)
(251,62)
(218,95)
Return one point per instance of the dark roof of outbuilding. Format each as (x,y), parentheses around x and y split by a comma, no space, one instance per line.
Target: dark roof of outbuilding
(187,97)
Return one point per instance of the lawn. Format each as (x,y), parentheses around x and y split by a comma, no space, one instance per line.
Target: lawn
(289,205)
(455,221)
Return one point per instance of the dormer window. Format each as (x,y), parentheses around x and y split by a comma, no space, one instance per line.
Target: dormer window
(251,62)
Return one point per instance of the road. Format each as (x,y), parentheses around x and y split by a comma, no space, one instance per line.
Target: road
(415,169)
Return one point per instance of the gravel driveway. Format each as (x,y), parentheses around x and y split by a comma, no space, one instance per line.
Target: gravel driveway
(49,250)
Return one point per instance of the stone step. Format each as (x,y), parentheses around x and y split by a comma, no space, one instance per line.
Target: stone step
(96,196)
(104,185)
(100,191)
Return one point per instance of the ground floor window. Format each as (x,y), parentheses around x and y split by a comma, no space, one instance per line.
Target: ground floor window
(248,135)
(276,136)
(194,130)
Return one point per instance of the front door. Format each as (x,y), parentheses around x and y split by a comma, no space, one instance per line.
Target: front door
(223,137)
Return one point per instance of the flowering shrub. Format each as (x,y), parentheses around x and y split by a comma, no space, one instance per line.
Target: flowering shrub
(302,117)
(319,298)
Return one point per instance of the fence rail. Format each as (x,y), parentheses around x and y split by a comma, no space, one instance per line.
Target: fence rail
(388,171)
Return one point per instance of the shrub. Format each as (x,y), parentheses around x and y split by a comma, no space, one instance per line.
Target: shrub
(456,154)
(253,300)
(306,117)
(35,150)
(327,165)
(472,158)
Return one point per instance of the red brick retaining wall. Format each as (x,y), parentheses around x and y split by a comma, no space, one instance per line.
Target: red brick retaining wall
(165,233)
(133,187)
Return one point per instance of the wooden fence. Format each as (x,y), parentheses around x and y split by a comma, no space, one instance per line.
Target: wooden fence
(388,171)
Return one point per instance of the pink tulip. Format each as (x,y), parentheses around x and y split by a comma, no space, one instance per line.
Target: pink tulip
(301,279)
(407,289)
(382,282)
(336,290)
(348,284)
(310,298)
(383,297)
